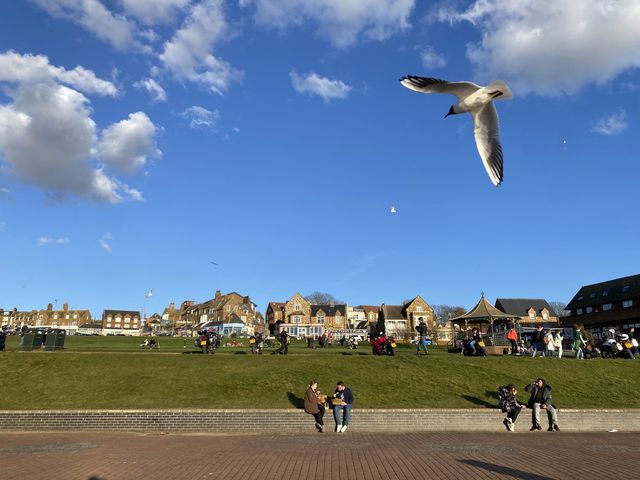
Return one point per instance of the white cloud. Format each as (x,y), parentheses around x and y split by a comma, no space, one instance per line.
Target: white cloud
(158,94)
(200,117)
(126,145)
(16,68)
(430,58)
(96,18)
(105,242)
(151,12)
(341,21)
(550,48)
(2,226)
(313,84)
(43,241)
(188,54)
(612,125)
(49,140)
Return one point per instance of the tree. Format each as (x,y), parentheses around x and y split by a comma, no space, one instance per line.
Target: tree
(320,298)
(445,312)
(559,308)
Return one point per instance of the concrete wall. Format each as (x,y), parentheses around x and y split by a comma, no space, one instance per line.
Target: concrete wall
(291,420)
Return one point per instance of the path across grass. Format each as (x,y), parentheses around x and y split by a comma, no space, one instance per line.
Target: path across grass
(114,373)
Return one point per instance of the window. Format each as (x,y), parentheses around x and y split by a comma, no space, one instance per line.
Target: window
(592,295)
(297,319)
(320,319)
(532,315)
(627,303)
(545,315)
(606,307)
(297,307)
(228,308)
(370,315)
(75,315)
(625,289)
(605,293)
(338,320)
(580,297)
(418,309)
(589,310)
(579,311)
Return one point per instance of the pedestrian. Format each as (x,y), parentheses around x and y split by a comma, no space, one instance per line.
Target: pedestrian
(422,336)
(537,341)
(284,342)
(314,404)
(342,401)
(259,343)
(3,339)
(557,342)
(509,404)
(252,344)
(579,343)
(329,339)
(541,400)
(634,341)
(549,345)
(512,336)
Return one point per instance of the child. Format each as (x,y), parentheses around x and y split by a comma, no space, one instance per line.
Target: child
(509,404)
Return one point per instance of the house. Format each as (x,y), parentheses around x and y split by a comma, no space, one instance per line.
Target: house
(300,318)
(225,308)
(121,322)
(601,306)
(400,321)
(67,319)
(530,311)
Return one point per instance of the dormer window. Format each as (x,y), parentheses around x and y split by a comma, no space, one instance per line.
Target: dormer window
(592,295)
(625,289)
(605,293)
(545,315)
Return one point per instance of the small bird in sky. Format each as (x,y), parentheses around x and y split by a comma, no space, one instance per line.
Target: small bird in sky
(393,210)
(213,263)
(478,101)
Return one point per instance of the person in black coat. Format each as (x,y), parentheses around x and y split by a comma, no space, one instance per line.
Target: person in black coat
(284,343)
(540,399)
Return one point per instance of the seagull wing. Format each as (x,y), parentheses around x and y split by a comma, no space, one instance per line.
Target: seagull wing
(487,133)
(435,85)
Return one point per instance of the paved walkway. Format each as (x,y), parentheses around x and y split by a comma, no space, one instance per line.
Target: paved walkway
(483,456)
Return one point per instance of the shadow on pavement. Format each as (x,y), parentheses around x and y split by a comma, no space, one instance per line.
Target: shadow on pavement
(512,472)
(296,401)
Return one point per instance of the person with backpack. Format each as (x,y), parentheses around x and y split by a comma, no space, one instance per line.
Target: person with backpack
(509,404)
(422,336)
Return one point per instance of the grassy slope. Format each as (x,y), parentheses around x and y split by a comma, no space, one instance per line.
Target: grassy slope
(112,372)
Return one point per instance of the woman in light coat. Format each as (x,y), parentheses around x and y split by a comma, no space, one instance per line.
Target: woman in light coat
(557,342)
(548,343)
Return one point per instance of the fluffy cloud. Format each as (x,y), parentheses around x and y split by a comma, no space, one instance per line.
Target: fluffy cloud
(188,54)
(157,93)
(43,241)
(152,12)
(430,58)
(126,145)
(96,18)
(200,117)
(342,22)
(49,140)
(612,125)
(549,48)
(313,84)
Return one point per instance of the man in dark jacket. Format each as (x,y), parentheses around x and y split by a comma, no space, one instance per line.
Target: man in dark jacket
(345,397)
(537,341)
(284,342)
(541,399)
(422,336)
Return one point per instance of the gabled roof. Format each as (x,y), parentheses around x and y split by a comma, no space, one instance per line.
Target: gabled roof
(329,310)
(483,311)
(121,312)
(617,290)
(392,312)
(276,305)
(521,306)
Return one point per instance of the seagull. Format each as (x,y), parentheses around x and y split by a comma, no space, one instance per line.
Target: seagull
(393,209)
(478,101)
(213,263)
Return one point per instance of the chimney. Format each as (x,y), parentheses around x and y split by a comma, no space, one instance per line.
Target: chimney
(65,307)
(49,307)
(172,306)
(218,294)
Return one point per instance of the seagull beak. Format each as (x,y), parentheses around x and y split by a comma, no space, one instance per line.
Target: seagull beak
(451,112)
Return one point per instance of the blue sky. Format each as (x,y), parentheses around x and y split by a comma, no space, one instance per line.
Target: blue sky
(140,140)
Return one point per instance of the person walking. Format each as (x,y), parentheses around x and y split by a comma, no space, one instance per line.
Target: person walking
(314,404)
(541,400)
(512,336)
(421,328)
(284,342)
(537,341)
(259,343)
(557,342)
(578,344)
(509,404)
(549,345)
(342,402)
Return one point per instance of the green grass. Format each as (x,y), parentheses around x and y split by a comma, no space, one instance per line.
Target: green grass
(113,373)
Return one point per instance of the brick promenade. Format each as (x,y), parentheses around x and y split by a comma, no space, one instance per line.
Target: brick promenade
(349,456)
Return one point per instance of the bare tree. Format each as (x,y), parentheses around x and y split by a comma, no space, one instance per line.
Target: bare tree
(320,298)
(445,312)
(559,308)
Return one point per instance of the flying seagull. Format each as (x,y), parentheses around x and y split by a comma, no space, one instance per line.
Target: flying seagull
(478,101)
(213,263)
(393,210)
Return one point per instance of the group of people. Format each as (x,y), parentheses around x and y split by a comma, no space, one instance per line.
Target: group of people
(539,400)
(316,403)
(547,342)
(256,343)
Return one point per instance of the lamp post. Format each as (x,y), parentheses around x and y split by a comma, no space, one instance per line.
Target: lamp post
(149,294)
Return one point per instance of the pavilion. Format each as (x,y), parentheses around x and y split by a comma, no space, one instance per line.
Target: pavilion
(485,314)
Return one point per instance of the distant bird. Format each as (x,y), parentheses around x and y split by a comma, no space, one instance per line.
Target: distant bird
(213,263)
(393,209)
(478,101)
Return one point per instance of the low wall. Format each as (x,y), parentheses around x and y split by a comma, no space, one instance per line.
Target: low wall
(291,420)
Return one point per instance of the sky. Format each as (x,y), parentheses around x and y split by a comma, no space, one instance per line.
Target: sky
(142,140)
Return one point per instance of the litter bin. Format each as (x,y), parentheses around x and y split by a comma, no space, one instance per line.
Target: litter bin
(55,339)
(31,339)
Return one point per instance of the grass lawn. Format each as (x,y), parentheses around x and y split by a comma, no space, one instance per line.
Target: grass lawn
(113,373)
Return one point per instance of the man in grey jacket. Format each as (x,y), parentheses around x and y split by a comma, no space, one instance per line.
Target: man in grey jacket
(541,400)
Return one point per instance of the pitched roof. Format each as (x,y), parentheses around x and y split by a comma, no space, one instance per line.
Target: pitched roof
(521,306)
(330,310)
(276,305)
(392,312)
(121,312)
(483,311)
(617,290)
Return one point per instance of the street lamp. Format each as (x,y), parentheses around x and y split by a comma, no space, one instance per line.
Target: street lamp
(149,294)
